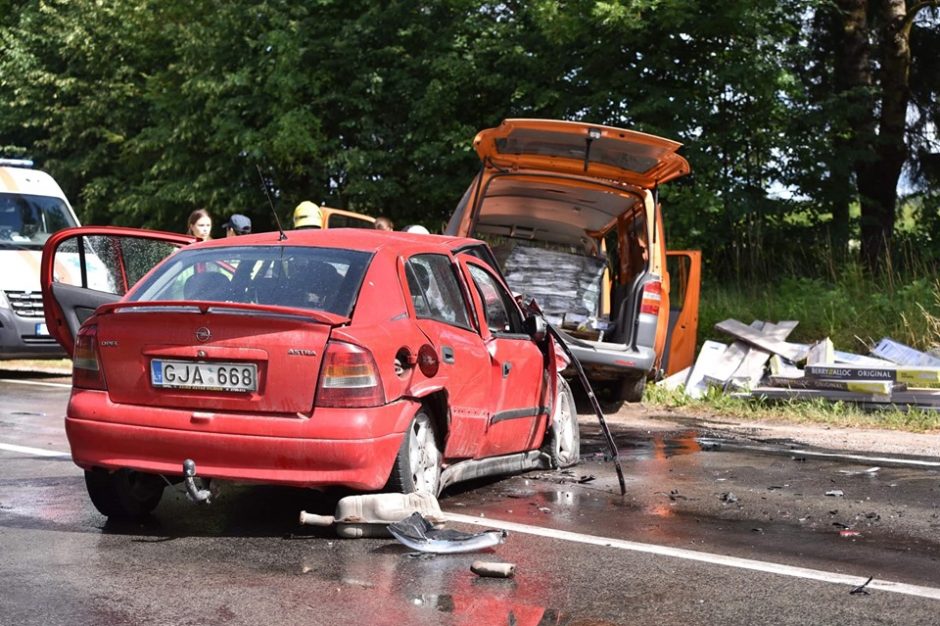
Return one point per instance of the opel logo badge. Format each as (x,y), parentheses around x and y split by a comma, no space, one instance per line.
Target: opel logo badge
(203,334)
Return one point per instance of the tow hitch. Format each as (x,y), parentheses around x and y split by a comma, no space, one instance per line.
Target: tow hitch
(195,494)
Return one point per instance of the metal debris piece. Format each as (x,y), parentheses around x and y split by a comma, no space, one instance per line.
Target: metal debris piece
(836,493)
(368,515)
(418,534)
(490,569)
(849,533)
(728,497)
(871,471)
(861,588)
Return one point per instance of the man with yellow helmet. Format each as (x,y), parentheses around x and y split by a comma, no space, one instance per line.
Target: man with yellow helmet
(307,215)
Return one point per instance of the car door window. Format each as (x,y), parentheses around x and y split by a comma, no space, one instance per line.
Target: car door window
(502,315)
(434,290)
(108,263)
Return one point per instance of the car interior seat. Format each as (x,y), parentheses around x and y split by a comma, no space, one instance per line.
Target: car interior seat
(207,285)
(324,283)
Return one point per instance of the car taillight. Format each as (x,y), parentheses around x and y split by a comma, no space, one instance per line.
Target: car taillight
(86,368)
(349,378)
(652,297)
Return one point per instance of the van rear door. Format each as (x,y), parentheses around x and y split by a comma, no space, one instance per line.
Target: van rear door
(685,272)
(582,149)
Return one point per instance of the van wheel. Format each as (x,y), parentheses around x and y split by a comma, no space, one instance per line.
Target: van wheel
(124,494)
(417,467)
(615,392)
(563,440)
(631,388)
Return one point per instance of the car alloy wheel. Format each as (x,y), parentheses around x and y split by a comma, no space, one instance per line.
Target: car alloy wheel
(564,437)
(417,466)
(423,455)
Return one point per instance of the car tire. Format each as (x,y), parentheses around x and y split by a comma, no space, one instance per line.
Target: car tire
(124,494)
(417,467)
(563,439)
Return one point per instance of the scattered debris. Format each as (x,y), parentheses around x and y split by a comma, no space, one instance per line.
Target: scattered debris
(728,497)
(490,569)
(861,588)
(871,471)
(419,534)
(761,364)
(837,493)
(891,350)
(849,533)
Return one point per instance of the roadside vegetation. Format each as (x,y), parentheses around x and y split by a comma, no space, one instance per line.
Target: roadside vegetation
(849,305)
(854,311)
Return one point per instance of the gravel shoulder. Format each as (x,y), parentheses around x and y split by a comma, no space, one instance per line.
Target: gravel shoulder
(871,440)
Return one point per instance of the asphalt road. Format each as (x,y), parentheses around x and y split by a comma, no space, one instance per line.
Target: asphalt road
(710,531)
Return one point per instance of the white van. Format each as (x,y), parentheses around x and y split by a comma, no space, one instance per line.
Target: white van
(32,207)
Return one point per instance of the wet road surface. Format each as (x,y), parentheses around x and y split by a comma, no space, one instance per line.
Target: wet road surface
(583,554)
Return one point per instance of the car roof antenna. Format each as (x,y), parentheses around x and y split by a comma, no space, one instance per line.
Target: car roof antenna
(267,194)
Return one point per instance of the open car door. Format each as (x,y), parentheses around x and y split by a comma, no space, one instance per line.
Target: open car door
(83,268)
(685,278)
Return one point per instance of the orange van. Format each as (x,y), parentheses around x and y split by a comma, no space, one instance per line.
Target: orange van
(572,213)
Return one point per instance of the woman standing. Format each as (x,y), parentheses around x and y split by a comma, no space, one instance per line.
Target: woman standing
(199,225)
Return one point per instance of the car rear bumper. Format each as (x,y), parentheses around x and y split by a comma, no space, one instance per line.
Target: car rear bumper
(603,361)
(315,454)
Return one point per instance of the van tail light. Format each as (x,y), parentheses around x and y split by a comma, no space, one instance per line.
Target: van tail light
(86,367)
(652,297)
(349,378)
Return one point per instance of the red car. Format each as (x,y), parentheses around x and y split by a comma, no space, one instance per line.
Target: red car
(366,359)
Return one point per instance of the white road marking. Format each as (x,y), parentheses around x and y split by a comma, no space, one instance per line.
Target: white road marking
(838,456)
(9,447)
(36,382)
(704,557)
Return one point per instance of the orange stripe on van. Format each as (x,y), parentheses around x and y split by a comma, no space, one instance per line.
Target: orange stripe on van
(7,181)
(33,260)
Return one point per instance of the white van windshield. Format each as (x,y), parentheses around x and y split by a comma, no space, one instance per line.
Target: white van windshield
(27,220)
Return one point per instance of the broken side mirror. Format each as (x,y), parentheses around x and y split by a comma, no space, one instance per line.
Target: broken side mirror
(536,327)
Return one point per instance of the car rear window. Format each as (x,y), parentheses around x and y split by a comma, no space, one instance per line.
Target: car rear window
(324,279)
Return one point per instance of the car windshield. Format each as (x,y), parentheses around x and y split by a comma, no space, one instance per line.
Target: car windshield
(323,279)
(27,220)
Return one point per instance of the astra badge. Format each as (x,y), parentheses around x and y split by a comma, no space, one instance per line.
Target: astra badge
(203,334)
(301,352)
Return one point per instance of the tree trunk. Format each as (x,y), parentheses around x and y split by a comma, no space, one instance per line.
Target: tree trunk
(878,179)
(880,147)
(852,82)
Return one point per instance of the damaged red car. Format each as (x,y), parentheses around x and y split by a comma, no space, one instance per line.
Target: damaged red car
(364,359)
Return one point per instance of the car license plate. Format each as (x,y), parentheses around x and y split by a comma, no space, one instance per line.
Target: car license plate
(209,376)
(41,328)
